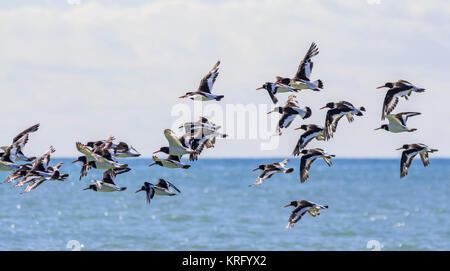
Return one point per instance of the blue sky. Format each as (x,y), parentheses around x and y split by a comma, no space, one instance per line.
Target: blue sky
(103,68)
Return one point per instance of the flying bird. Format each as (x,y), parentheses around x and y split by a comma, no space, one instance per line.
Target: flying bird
(274,88)
(336,112)
(398,89)
(203,93)
(170,162)
(397,122)
(309,156)
(301,207)
(301,79)
(162,188)
(311,131)
(107,183)
(408,154)
(269,169)
(289,111)
(19,155)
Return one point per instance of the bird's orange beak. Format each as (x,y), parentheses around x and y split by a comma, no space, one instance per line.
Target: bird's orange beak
(323,107)
(259,88)
(381,86)
(401,148)
(256,169)
(75,161)
(85,165)
(377,128)
(139,190)
(298,128)
(152,164)
(184,96)
(156,151)
(286,205)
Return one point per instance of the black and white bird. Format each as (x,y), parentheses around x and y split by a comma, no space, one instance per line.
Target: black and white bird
(311,131)
(176,146)
(107,183)
(336,112)
(203,93)
(9,156)
(397,122)
(301,207)
(308,157)
(408,154)
(19,154)
(269,169)
(162,188)
(274,88)
(301,79)
(289,111)
(170,162)
(398,89)
(202,123)
(38,177)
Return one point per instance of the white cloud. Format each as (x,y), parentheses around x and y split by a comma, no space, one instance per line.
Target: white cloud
(96,69)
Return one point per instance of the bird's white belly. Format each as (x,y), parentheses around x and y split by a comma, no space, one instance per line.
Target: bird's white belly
(298,85)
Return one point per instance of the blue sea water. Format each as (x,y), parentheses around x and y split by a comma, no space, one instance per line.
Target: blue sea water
(218,211)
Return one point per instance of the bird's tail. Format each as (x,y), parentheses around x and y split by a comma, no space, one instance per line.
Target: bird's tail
(123,188)
(289,225)
(318,84)
(186,166)
(219,97)
(433,150)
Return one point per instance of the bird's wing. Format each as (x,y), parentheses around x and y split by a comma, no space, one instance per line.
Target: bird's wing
(424,158)
(305,67)
(286,120)
(389,104)
(405,162)
(173,186)
(84,149)
(207,82)
(173,141)
(403,117)
(109,176)
(33,128)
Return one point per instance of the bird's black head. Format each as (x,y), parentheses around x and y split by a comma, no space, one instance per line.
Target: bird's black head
(261,167)
(303,127)
(163,149)
(292,203)
(145,187)
(328,105)
(404,147)
(277,109)
(384,127)
(81,159)
(266,85)
(189,93)
(387,85)
(92,186)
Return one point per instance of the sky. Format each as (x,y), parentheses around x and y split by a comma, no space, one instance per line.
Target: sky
(87,69)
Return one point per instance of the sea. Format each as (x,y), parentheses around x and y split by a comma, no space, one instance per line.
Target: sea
(370,208)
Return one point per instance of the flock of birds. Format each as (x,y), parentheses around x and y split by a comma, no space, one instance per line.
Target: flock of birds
(103,154)
(336,110)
